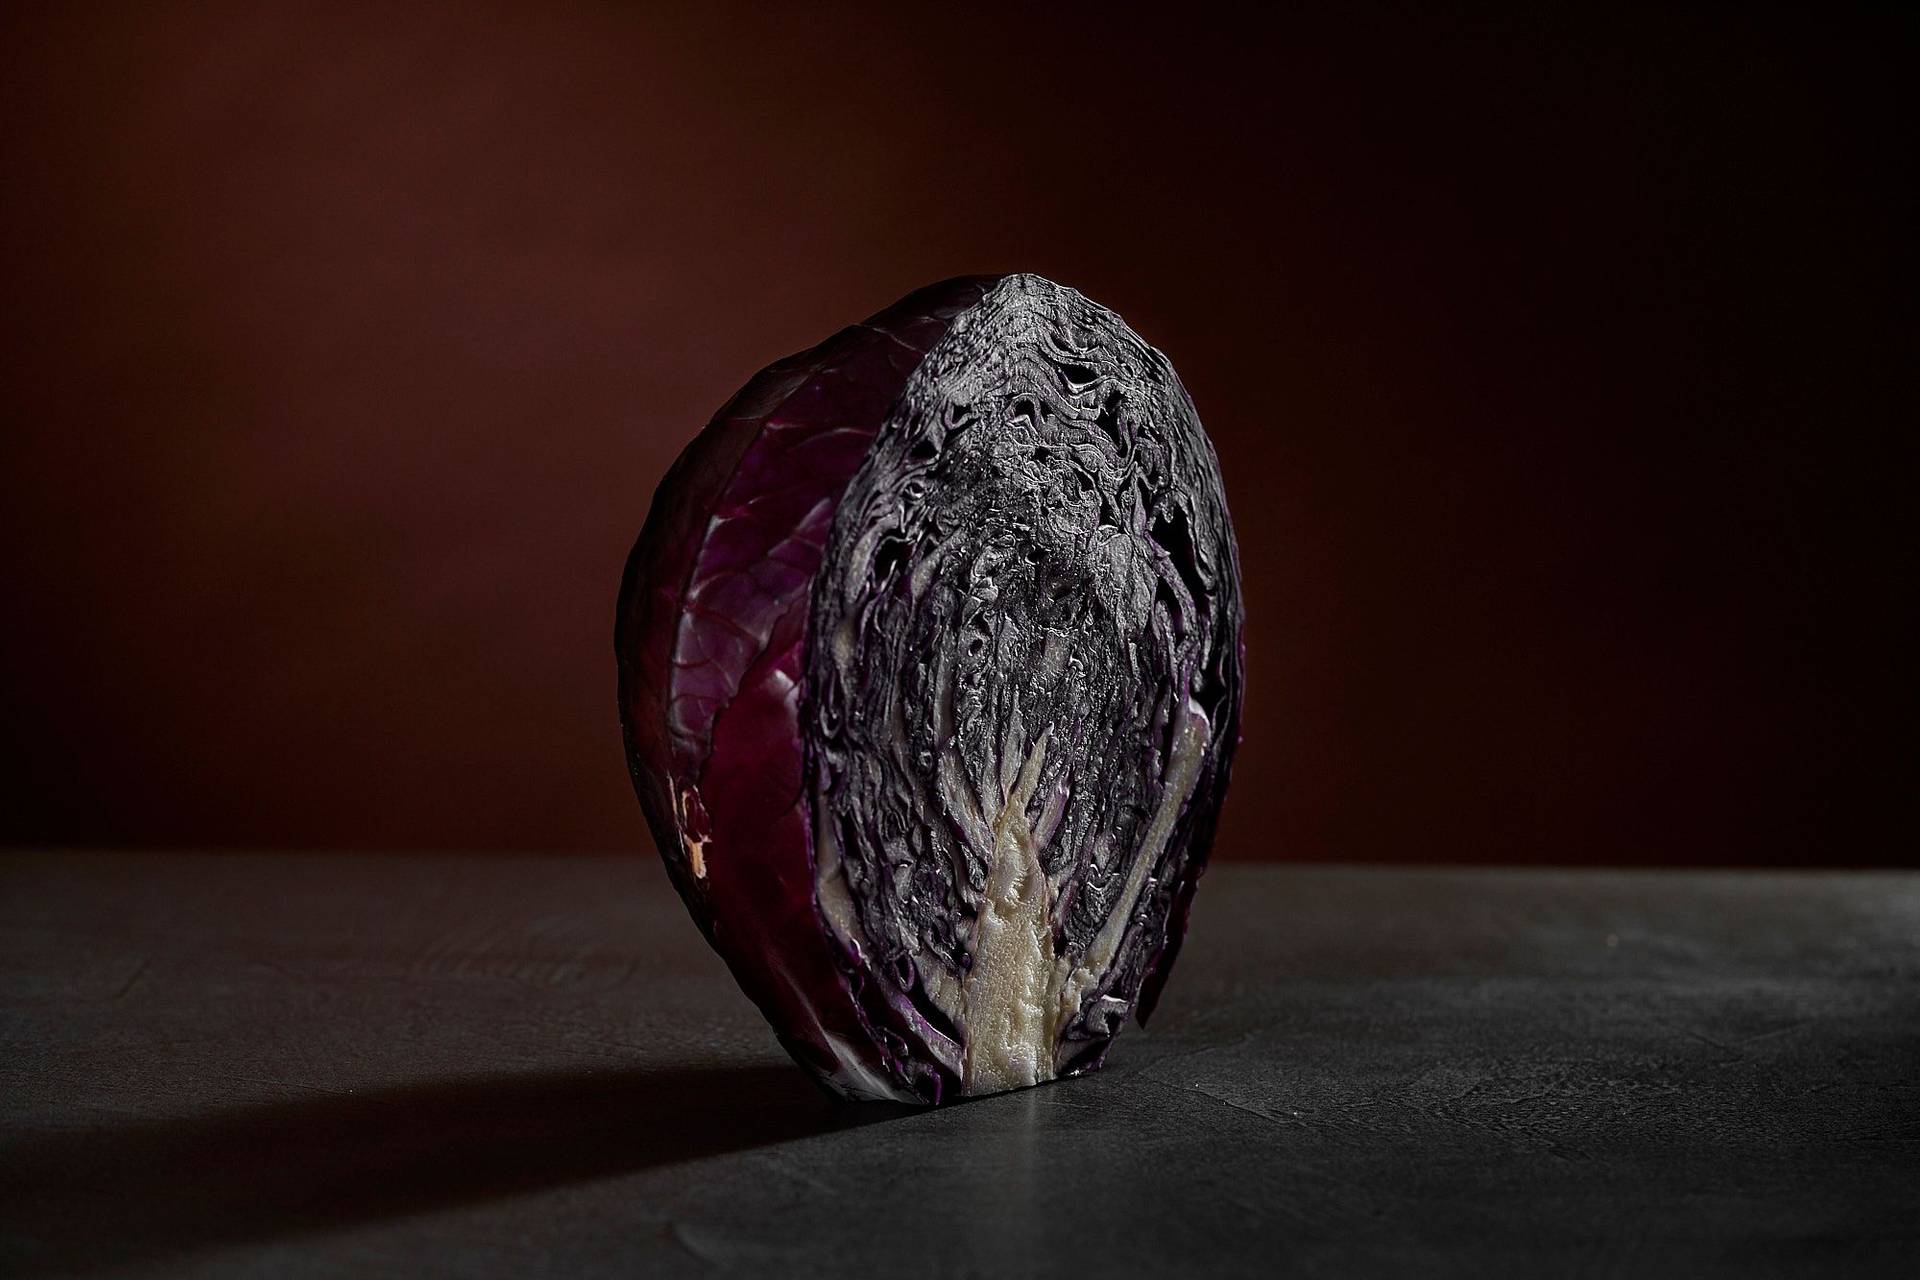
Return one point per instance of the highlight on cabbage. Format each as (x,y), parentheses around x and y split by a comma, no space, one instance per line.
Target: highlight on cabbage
(930,675)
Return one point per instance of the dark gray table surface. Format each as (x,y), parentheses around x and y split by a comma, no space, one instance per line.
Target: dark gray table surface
(532,1066)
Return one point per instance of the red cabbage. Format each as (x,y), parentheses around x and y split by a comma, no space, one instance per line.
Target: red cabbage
(930,670)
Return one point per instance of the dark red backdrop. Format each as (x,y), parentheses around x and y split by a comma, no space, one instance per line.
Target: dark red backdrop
(1547,363)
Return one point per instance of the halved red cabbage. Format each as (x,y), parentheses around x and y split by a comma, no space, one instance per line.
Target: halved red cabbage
(930,672)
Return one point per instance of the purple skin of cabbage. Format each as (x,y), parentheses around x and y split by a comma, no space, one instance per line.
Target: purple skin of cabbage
(746,731)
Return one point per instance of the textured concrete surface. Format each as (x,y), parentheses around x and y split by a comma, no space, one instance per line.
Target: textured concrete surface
(330,1065)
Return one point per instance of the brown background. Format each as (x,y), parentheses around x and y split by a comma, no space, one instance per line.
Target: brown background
(1550,366)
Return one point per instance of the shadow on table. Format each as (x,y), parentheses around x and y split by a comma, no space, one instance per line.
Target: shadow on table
(107,1197)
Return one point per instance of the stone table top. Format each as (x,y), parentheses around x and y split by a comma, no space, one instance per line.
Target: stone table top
(310,1065)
